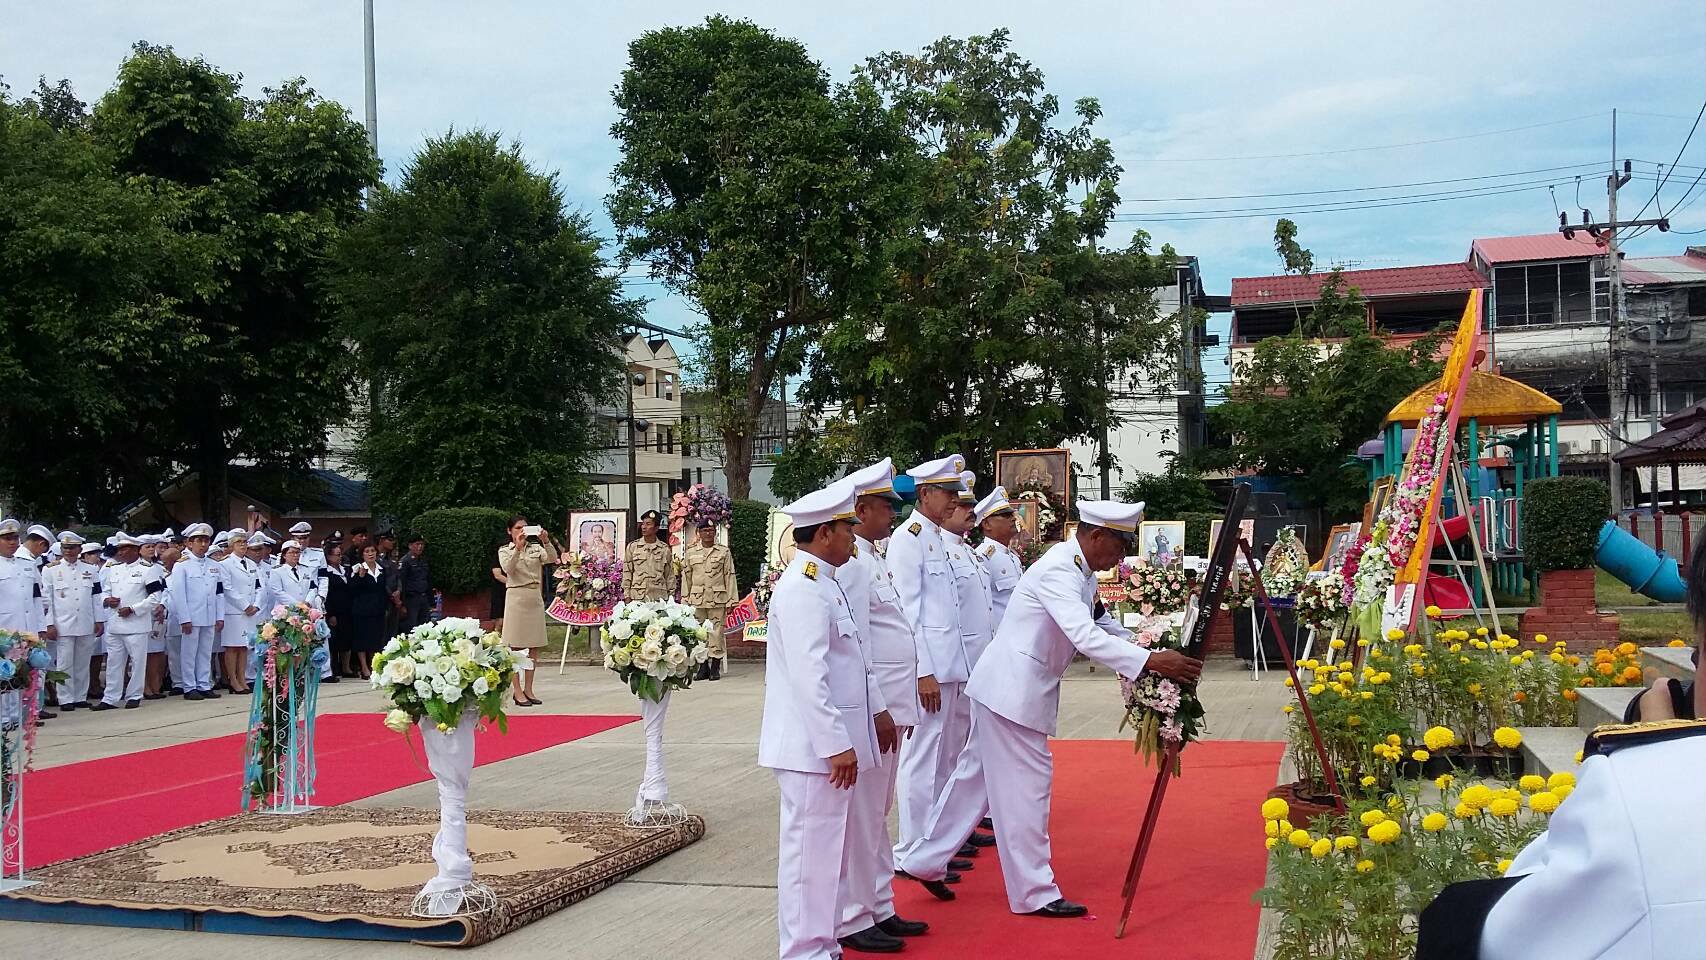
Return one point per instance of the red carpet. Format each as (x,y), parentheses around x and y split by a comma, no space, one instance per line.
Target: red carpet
(82,808)
(1206,861)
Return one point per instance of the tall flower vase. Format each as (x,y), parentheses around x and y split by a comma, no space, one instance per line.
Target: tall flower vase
(13,757)
(278,772)
(651,804)
(452,892)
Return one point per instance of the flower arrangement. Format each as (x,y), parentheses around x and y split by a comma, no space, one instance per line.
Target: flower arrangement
(291,646)
(1348,571)
(441,671)
(1051,513)
(654,646)
(1030,551)
(26,666)
(1400,522)
(1158,589)
(1162,712)
(588,582)
(1239,592)
(1286,566)
(764,585)
(706,505)
(1320,602)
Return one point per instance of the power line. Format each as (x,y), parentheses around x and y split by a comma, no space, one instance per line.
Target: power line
(1385,146)
(1186,216)
(1389,186)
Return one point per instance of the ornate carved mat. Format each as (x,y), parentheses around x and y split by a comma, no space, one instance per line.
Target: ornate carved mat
(362,864)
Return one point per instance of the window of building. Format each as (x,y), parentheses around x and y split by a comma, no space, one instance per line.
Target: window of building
(1697,301)
(1539,294)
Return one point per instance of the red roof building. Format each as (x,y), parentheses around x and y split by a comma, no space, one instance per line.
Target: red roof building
(1496,251)
(1400,299)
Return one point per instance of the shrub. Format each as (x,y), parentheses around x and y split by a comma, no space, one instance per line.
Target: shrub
(461,546)
(95,533)
(748,536)
(1561,517)
(1196,531)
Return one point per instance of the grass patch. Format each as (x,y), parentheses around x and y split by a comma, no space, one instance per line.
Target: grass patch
(1655,628)
(580,642)
(1609,591)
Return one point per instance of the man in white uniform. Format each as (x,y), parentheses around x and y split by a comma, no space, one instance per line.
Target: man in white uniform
(198,604)
(824,722)
(134,589)
(995,515)
(313,557)
(1015,694)
(868,920)
(74,595)
(20,583)
(245,602)
(918,561)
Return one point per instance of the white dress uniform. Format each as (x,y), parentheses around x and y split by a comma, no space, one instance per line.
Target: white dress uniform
(887,636)
(20,588)
(1015,693)
(924,579)
(245,587)
(74,595)
(137,587)
(819,701)
(998,559)
(198,602)
(295,584)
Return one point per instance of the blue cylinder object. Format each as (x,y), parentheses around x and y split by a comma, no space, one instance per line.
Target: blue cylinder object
(905,486)
(1648,572)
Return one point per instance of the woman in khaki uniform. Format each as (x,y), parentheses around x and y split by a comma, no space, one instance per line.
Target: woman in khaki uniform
(708,585)
(523,561)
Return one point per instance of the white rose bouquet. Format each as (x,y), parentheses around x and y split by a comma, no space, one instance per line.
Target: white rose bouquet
(442,670)
(654,645)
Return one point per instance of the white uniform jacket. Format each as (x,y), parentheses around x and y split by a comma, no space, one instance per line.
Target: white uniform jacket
(1004,573)
(971,584)
(138,586)
(298,584)
(74,594)
(245,587)
(1049,618)
(819,695)
(197,585)
(885,631)
(20,593)
(918,559)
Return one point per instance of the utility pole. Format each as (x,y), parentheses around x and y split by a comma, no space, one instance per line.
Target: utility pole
(372,93)
(1653,396)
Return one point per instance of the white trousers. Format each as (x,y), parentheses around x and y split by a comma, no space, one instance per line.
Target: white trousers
(868,862)
(1020,776)
(175,657)
(809,849)
(125,650)
(73,660)
(197,657)
(927,762)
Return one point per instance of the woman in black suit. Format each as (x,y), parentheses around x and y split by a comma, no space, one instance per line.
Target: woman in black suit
(368,602)
(335,585)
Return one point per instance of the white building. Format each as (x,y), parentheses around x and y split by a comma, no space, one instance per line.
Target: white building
(654,385)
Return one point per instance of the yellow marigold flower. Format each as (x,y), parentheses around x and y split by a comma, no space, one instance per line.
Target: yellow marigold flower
(1394,634)
(1481,644)
(1511,793)
(1516,661)
(1286,709)
(1321,848)
(1628,649)
(1507,737)
(1477,795)
(1275,808)
(1543,802)
(1366,694)
(1336,644)
(1578,758)
(1346,843)
(1271,828)
(1464,811)
(1444,781)
(1604,669)
(1475,689)
(1381,678)
(1420,756)
(1480,631)
(1316,690)
(1417,670)
(1540,638)
(1365,866)
(1678,642)
(1300,839)
(1562,778)
(1362,642)
(1369,781)
(1503,807)
(1528,654)
(1285,828)
(1413,650)
(1271,842)
(1346,677)
(1631,674)
(1393,739)
(1396,804)
(1385,832)
(1562,790)
(1455,648)
(1557,657)
(1503,866)
(1353,720)
(1371,817)
(1289,683)
(1571,696)
(1573,660)
(1439,738)
(1532,783)
(1434,822)
(1432,611)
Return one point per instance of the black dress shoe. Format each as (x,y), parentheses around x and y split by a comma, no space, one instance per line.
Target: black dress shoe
(195,695)
(958,864)
(967,852)
(215,695)
(981,840)
(103,705)
(704,673)
(334,678)
(132,704)
(153,696)
(1062,909)
(872,940)
(986,824)
(951,877)
(177,691)
(936,888)
(716,668)
(45,715)
(896,927)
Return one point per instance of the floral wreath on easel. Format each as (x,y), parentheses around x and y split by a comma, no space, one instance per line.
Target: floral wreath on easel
(1051,512)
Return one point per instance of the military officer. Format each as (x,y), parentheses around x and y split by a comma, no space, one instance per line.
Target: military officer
(868,921)
(134,589)
(708,586)
(646,568)
(1015,694)
(20,583)
(74,598)
(313,557)
(918,559)
(246,604)
(198,604)
(995,515)
(824,722)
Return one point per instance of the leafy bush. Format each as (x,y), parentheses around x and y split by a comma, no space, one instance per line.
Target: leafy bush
(1196,531)
(748,533)
(461,546)
(94,533)
(1561,517)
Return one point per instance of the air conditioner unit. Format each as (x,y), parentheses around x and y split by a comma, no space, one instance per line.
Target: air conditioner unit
(1569,447)
(1597,446)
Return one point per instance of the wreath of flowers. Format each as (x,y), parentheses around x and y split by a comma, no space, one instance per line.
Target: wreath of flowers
(765,583)
(26,665)
(1159,589)
(1284,570)
(587,582)
(1051,512)
(1320,602)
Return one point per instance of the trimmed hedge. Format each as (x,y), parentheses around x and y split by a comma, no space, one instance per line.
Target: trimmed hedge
(748,533)
(1561,517)
(1196,531)
(462,545)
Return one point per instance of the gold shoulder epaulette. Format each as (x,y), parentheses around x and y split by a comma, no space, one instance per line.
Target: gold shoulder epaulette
(989,551)
(810,570)
(1610,737)
(915,528)
(855,549)
(1078,562)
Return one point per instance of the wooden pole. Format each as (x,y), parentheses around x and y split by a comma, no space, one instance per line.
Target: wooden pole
(1145,834)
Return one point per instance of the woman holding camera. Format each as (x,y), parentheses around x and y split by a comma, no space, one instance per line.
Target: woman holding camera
(523,561)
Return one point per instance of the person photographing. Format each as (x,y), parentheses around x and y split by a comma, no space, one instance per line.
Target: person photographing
(523,561)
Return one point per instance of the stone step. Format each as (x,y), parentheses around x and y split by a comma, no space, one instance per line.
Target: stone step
(1547,750)
(1602,705)
(1674,662)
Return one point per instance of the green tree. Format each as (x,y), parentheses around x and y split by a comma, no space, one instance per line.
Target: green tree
(1172,493)
(485,313)
(265,188)
(750,187)
(1295,257)
(1001,324)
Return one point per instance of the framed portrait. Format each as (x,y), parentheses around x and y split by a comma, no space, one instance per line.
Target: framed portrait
(1161,541)
(1246,529)
(1025,511)
(780,551)
(1052,469)
(1377,502)
(1339,542)
(599,533)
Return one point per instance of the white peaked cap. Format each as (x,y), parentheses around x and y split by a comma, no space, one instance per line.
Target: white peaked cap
(91,547)
(876,480)
(993,504)
(70,538)
(8,525)
(122,539)
(289,545)
(301,528)
(834,502)
(197,530)
(968,484)
(944,472)
(1112,514)
(37,530)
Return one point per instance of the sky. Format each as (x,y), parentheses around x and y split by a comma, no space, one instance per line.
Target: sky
(1202,100)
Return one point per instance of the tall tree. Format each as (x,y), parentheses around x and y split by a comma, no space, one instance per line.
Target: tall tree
(486,314)
(1003,325)
(750,187)
(267,187)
